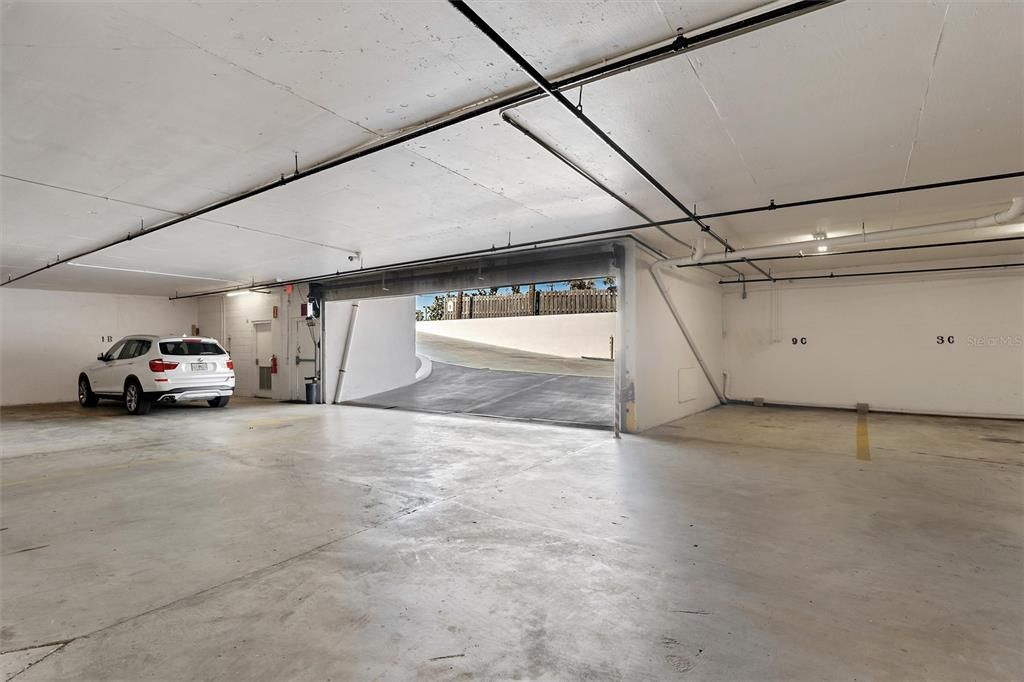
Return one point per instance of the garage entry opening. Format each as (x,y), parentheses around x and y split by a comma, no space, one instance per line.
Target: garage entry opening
(539,352)
(527,334)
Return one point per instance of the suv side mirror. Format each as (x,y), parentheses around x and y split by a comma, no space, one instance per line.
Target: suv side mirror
(101,356)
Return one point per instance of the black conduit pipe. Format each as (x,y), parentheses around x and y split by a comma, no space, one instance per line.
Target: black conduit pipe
(592,178)
(823,200)
(772,206)
(674,221)
(603,70)
(810,202)
(432,260)
(683,44)
(936,245)
(577,112)
(783,278)
(586,175)
(550,240)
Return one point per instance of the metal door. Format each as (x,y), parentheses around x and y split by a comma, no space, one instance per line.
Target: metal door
(264,350)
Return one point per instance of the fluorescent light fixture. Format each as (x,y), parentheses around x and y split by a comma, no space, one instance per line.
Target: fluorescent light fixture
(149,272)
(243,292)
(821,235)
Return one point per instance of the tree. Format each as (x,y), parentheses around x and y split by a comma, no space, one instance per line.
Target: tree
(517,289)
(582,284)
(436,309)
(610,285)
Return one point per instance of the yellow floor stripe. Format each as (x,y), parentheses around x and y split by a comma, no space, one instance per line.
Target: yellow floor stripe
(863,446)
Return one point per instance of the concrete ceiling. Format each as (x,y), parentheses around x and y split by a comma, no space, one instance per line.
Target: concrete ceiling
(117,115)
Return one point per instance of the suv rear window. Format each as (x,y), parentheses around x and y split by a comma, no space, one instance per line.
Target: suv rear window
(133,348)
(186,347)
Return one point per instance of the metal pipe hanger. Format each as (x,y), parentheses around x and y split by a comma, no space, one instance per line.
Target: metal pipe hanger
(881,249)
(773,206)
(609,232)
(915,271)
(1011,215)
(590,177)
(603,69)
(559,97)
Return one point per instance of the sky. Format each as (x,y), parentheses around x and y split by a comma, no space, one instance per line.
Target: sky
(426,299)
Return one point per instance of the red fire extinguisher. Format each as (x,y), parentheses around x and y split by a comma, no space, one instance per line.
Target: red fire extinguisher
(273,364)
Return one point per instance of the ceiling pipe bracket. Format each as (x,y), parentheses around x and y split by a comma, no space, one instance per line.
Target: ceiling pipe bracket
(1012,214)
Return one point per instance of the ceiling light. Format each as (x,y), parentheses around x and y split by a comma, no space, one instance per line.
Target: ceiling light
(149,272)
(820,235)
(240,293)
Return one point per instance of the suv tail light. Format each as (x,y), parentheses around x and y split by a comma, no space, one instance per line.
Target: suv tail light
(161,365)
(231,364)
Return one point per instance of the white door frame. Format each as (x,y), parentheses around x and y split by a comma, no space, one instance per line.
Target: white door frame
(302,346)
(263,362)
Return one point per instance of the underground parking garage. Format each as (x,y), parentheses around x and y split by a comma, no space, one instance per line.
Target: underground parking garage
(307,310)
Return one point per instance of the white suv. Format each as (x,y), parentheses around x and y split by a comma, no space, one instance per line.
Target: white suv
(142,369)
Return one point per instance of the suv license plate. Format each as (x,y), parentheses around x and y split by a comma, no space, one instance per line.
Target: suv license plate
(200,367)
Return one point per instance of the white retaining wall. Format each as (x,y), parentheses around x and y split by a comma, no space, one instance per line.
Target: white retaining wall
(568,336)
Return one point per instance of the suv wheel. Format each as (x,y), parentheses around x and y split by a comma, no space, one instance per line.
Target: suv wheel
(86,398)
(134,399)
(219,402)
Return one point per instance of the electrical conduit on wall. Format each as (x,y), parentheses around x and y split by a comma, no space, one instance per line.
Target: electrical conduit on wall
(656,273)
(699,257)
(345,353)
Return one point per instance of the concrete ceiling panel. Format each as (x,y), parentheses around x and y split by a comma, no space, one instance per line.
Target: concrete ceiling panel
(175,105)
(972,117)
(381,66)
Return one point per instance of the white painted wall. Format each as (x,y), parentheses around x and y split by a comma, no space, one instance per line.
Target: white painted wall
(663,381)
(291,339)
(569,336)
(383,351)
(230,319)
(47,336)
(211,314)
(874,341)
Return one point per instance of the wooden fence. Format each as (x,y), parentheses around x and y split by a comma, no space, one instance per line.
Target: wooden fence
(570,302)
(576,301)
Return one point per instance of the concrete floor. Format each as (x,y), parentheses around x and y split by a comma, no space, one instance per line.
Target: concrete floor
(271,541)
(529,396)
(494,381)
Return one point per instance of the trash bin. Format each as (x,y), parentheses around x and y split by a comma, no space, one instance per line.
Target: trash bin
(312,390)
